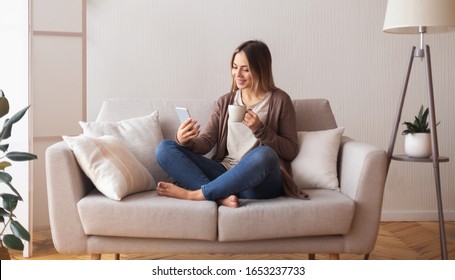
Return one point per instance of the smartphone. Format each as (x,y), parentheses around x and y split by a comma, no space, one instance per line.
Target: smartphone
(183,114)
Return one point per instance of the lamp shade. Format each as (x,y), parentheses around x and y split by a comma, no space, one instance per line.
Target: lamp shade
(406,16)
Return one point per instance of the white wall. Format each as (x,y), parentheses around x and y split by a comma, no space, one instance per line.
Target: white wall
(327,48)
(14,83)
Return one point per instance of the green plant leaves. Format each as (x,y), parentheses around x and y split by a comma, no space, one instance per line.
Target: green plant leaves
(6,131)
(420,124)
(4,105)
(13,242)
(5,177)
(3,213)
(4,164)
(19,197)
(20,156)
(9,201)
(4,147)
(19,231)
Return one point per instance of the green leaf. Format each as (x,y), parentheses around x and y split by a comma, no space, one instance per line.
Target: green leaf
(4,164)
(421,112)
(425,115)
(20,156)
(14,190)
(19,231)
(420,123)
(3,213)
(4,147)
(6,132)
(4,104)
(13,242)
(9,201)
(16,117)
(5,177)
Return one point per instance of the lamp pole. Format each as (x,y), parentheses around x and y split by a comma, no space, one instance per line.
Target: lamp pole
(435,158)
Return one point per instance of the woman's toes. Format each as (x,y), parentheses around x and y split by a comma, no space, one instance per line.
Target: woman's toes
(230,201)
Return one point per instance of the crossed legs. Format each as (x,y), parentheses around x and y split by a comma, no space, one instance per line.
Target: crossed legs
(171,190)
(256,176)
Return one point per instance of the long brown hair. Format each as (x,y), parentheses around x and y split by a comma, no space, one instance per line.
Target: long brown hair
(260,64)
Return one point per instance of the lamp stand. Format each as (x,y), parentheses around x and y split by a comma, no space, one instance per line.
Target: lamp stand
(435,159)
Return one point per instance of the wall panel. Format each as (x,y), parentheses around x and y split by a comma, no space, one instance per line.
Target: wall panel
(58,85)
(57,15)
(57,76)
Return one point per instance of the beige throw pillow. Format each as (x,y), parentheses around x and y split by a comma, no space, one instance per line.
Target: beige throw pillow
(141,135)
(113,169)
(315,166)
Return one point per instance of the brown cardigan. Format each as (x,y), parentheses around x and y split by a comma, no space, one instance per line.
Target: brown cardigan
(278,132)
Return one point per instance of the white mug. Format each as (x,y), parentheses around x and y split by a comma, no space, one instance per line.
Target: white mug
(236,113)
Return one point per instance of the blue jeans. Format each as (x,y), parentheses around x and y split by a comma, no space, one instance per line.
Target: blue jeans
(256,176)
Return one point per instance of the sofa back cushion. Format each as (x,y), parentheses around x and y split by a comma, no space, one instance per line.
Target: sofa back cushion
(312,114)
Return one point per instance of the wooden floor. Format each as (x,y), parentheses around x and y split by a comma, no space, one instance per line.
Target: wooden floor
(396,240)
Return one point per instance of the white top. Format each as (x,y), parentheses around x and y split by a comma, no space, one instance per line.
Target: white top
(240,139)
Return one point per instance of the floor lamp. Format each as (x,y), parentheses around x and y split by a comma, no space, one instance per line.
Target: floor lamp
(421,17)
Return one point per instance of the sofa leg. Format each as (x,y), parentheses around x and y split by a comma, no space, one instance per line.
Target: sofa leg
(312,257)
(334,256)
(96,256)
(366,257)
(117,257)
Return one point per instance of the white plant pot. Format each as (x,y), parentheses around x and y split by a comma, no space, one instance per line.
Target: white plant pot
(418,145)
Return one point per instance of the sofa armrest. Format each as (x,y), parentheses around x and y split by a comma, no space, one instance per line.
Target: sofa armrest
(66,185)
(362,173)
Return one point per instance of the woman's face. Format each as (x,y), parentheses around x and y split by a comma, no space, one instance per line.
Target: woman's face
(241,72)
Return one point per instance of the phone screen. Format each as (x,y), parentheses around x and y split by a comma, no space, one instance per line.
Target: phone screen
(182,113)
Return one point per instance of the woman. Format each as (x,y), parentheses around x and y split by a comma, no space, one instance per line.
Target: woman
(252,158)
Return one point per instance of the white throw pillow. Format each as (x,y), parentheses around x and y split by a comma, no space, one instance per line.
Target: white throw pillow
(315,166)
(141,135)
(113,169)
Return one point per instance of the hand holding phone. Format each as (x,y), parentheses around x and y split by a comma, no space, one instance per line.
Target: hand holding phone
(187,129)
(183,114)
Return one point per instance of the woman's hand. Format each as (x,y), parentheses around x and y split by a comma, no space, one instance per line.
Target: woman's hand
(188,130)
(251,119)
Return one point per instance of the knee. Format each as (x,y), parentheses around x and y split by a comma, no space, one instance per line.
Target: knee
(266,155)
(163,148)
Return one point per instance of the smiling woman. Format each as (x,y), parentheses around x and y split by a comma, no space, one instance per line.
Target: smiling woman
(252,67)
(253,154)
(242,78)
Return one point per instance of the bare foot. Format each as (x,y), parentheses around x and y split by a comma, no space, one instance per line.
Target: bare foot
(171,190)
(231,201)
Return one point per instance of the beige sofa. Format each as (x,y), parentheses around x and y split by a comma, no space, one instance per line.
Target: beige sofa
(84,221)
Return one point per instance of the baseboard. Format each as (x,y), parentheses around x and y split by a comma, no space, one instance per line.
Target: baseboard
(421,216)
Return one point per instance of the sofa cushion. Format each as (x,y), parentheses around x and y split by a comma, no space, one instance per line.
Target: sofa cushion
(148,215)
(141,135)
(110,165)
(314,115)
(326,213)
(315,166)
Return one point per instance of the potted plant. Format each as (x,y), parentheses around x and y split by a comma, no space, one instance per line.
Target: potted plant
(418,138)
(13,240)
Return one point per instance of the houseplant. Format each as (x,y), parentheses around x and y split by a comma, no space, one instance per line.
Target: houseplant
(418,138)
(13,240)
